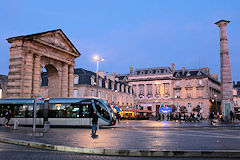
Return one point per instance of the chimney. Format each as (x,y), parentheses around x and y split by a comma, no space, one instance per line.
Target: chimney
(183,70)
(173,67)
(106,75)
(131,70)
(215,76)
(205,70)
(101,74)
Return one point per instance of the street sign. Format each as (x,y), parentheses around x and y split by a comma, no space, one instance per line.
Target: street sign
(165,110)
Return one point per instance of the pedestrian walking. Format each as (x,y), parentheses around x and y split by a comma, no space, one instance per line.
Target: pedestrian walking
(118,117)
(211,117)
(94,123)
(231,115)
(159,117)
(8,116)
(180,117)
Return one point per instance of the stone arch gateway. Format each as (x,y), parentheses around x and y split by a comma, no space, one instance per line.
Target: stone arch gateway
(29,54)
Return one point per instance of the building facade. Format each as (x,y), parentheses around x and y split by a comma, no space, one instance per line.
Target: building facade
(236,94)
(192,90)
(110,88)
(3,86)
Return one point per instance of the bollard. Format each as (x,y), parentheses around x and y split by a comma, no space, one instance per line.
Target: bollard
(16,122)
(46,126)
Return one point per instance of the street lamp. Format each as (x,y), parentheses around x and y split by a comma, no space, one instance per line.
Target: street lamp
(96,58)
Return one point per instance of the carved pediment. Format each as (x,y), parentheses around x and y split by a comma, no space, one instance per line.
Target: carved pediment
(55,38)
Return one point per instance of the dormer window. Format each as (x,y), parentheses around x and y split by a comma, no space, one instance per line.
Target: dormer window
(142,72)
(199,73)
(112,86)
(150,72)
(158,71)
(178,74)
(188,74)
(76,79)
(92,80)
(165,71)
(106,84)
(100,82)
(122,88)
(118,87)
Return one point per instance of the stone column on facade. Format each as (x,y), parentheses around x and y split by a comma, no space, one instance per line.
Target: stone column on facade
(64,80)
(14,89)
(28,75)
(137,91)
(145,90)
(36,75)
(70,80)
(226,73)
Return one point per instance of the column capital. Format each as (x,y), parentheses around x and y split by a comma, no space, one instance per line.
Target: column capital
(222,23)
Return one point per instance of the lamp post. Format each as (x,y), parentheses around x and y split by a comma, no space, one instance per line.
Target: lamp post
(96,58)
(116,97)
(216,100)
(36,98)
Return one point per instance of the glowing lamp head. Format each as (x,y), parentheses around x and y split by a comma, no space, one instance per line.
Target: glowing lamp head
(96,58)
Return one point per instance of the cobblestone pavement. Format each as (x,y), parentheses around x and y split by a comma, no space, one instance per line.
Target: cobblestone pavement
(140,135)
(15,152)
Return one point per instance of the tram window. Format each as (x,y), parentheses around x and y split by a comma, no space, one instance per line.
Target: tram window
(100,108)
(40,111)
(26,111)
(72,111)
(57,111)
(2,110)
(20,111)
(85,110)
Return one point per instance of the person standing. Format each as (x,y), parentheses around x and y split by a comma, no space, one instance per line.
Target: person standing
(231,115)
(118,117)
(8,117)
(211,117)
(94,123)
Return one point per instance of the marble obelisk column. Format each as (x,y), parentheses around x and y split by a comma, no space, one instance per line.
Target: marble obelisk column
(226,73)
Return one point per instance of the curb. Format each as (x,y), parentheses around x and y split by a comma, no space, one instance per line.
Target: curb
(130,153)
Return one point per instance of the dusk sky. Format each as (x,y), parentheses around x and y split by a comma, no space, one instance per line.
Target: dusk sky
(137,33)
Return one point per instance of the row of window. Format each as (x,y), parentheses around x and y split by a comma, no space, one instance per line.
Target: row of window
(123,87)
(189,93)
(55,110)
(188,83)
(153,71)
(141,88)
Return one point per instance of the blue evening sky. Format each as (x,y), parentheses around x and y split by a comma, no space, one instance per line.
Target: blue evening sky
(137,33)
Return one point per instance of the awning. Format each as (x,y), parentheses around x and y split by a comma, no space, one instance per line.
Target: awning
(139,111)
(117,108)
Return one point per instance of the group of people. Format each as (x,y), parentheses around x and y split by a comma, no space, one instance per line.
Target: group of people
(212,117)
(181,117)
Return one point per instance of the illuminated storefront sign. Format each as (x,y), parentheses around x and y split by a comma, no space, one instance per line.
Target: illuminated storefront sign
(165,109)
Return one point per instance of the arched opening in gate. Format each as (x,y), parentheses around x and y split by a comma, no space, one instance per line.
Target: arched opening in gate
(50,80)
